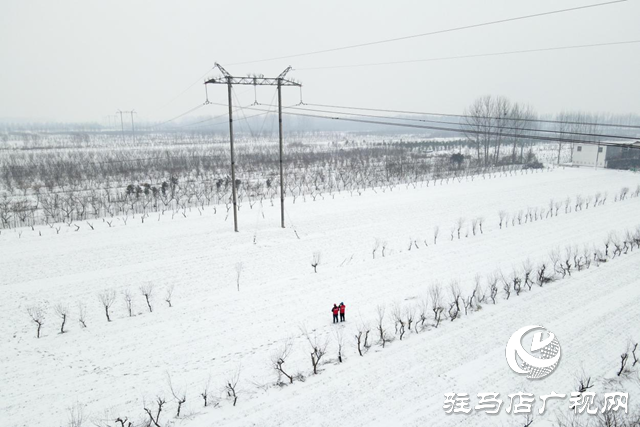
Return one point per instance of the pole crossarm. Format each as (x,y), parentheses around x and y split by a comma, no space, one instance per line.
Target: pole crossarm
(251,81)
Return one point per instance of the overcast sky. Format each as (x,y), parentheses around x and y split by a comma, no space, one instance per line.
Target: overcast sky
(82,60)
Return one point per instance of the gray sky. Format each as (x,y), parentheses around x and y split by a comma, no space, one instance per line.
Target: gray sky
(81,60)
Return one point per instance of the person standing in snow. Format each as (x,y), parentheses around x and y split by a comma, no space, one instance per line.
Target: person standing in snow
(342,308)
(335,310)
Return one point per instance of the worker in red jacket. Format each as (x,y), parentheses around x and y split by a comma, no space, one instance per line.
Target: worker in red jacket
(342,308)
(335,310)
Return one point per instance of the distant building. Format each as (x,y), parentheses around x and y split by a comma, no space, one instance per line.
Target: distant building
(603,156)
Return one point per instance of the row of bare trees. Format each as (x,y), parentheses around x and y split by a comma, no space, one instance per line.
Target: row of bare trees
(397,322)
(107,300)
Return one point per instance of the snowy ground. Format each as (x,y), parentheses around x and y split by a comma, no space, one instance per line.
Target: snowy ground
(213,330)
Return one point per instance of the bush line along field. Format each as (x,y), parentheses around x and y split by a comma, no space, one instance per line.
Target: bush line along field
(67,179)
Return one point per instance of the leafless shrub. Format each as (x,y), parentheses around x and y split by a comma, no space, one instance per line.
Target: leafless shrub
(107,298)
(76,416)
(147,292)
(62,311)
(315,261)
(436,231)
(376,246)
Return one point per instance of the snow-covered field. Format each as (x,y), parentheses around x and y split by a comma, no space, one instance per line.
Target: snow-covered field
(214,331)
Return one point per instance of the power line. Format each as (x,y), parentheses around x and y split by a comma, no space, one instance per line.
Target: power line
(431,33)
(479,55)
(487,133)
(479,125)
(468,116)
(180,115)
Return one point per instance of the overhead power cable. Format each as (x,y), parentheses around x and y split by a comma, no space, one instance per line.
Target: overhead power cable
(571,122)
(180,115)
(478,55)
(468,131)
(520,129)
(431,33)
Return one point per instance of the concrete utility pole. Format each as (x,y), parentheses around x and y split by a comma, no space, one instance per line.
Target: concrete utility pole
(121,124)
(133,131)
(279,81)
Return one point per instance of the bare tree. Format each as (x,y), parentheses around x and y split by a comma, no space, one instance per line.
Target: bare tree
(37,316)
(435,296)
(180,396)
(147,292)
(128,301)
(382,333)
(107,298)
(278,359)
(205,391)
(318,348)
(82,314)
(169,295)
(459,225)
(362,338)
(232,386)
(155,420)
(456,296)
(62,311)
(396,313)
(527,268)
(339,335)
(492,283)
(506,284)
(315,261)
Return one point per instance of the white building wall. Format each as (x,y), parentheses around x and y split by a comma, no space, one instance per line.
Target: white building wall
(587,154)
